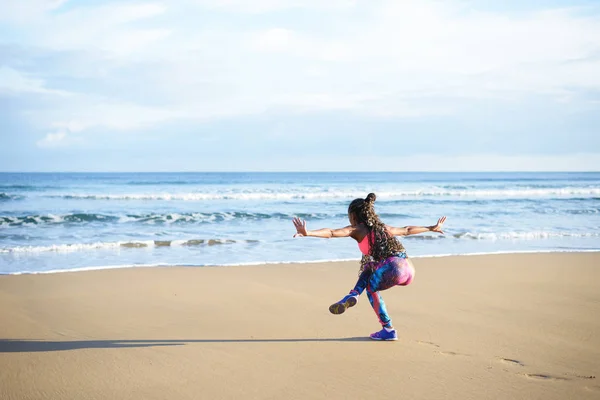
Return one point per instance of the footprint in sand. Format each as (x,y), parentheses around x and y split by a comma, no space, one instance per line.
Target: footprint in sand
(545,377)
(582,376)
(428,343)
(511,361)
(446,353)
(453,353)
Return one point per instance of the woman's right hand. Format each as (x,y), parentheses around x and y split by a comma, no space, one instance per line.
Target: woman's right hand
(300,227)
(439,226)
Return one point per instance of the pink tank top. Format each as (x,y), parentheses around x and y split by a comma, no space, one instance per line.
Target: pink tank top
(364,245)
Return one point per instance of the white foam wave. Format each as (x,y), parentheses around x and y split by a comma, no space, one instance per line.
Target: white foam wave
(7,196)
(488,236)
(150,219)
(258,263)
(326,194)
(84,269)
(64,248)
(69,248)
(523,235)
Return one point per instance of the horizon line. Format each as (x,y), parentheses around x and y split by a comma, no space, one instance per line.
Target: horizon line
(295,172)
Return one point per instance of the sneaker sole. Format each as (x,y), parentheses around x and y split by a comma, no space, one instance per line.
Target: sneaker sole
(351,302)
(339,308)
(384,340)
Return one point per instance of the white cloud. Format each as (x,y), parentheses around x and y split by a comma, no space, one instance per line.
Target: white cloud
(378,58)
(110,28)
(404,52)
(276,39)
(433,42)
(106,116)
(27,10)
(112,116)
(263,6)
(55,139)
(132,12)
(13,81)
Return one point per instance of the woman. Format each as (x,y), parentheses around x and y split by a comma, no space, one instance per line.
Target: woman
(384,262)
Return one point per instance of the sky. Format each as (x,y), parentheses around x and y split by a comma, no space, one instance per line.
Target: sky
(299,85)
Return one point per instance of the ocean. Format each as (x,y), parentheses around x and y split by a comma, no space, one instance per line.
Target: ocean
(51,222)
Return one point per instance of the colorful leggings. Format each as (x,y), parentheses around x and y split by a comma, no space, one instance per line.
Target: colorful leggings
(395,270)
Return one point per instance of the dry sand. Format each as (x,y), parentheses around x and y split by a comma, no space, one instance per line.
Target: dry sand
(479,327)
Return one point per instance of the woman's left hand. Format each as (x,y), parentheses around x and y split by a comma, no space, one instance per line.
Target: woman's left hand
(300,227)
(438,227)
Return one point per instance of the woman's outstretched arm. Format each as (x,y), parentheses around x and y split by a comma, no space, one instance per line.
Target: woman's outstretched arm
(415,230)
(322,233)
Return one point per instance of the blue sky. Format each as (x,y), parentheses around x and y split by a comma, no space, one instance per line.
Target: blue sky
(297,85)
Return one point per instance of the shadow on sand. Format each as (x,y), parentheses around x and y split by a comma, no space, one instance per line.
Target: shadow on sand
(27,346)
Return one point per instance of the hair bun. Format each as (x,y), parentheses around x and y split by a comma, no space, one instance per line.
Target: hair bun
(371,198)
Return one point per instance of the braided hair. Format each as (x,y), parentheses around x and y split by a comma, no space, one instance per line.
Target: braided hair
(382,244)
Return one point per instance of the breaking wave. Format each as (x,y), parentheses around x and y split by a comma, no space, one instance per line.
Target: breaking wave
(8,197)
(325,194)
(167,218)
(68,248)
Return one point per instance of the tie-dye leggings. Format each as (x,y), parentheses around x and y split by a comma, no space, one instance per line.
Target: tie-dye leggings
(395,270)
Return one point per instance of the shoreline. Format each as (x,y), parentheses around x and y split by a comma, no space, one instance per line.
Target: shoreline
(261,263)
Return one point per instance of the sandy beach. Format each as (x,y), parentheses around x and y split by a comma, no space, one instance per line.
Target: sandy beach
(514,326)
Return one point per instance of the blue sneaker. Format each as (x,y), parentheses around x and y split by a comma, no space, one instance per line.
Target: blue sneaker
(348,301)
(384,335)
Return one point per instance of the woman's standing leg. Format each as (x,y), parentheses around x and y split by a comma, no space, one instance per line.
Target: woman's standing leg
(379,307)
(396,271)
(383,278)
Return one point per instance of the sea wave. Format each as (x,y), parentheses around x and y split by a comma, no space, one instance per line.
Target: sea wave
(287,262)
(144,244)
(16,186)
(134,244)
(164,182)
(53,219)
(8,197)
(165,218)
(28,187)
(493,236)
(341,194)
(522,235)
(579,211)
